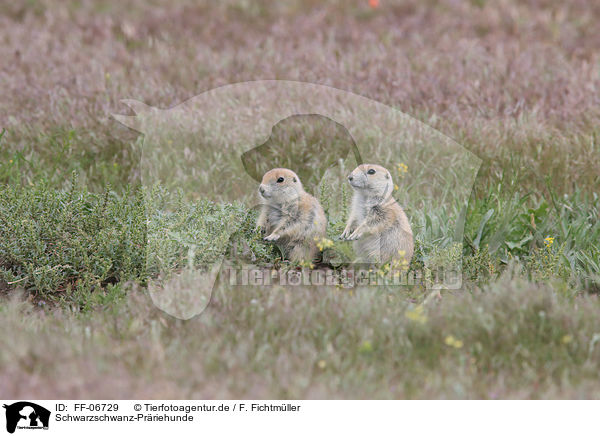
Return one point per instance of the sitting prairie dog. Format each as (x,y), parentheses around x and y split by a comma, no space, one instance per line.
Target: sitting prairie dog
(290,216)
(377,224)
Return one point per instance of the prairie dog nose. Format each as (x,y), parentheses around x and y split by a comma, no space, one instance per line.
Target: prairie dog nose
(261,189)
(350,177)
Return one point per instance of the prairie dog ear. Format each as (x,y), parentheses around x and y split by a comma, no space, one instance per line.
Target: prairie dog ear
(294,180)
(387,175)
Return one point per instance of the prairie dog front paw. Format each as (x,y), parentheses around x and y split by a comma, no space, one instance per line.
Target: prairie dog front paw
(272,237)
(354,235)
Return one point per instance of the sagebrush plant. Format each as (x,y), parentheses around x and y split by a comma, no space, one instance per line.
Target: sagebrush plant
(197,234)
(480,266)
(56,242)
(547,262)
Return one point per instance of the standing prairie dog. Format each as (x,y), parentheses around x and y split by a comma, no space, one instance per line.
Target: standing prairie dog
(290,216)
(377,224)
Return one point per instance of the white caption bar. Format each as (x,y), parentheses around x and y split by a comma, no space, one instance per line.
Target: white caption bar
(22,417)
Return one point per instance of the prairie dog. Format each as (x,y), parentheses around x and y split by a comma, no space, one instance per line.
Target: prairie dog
(377,224)
(289,215)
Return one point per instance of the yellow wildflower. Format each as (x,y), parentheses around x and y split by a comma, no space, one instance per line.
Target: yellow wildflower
(451,341)
(549,241)
(323,243)
(417,315)
(366,347)
(306,264)
(402,169)
(567,339)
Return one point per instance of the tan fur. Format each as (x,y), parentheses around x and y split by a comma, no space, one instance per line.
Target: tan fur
(290,216)
(377,224)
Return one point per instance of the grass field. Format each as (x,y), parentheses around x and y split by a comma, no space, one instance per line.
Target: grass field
(515,83)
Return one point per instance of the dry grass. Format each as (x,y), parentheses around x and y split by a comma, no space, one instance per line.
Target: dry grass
(517,340)
(500,77)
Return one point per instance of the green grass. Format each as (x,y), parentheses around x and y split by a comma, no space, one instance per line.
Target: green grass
(66,245)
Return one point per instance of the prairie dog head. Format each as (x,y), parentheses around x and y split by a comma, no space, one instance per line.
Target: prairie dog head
(372,181)
(280,185)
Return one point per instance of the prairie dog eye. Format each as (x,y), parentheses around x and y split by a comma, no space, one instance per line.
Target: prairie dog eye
(280,180)
(371,171)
